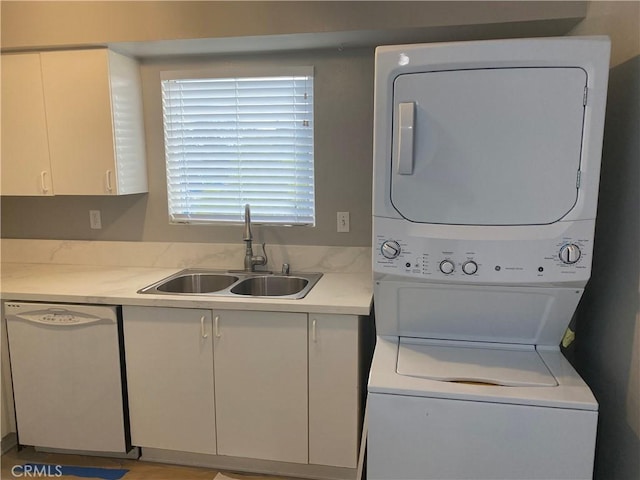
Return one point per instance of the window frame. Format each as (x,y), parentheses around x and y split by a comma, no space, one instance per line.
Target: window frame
(233,73)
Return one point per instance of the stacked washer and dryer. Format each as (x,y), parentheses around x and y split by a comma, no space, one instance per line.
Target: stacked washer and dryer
(486,170)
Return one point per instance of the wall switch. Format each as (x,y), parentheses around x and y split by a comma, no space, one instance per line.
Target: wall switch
(95,219)
(343,222)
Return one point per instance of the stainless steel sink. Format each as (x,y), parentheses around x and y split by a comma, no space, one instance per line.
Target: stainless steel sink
(197,283)
(270,286)
(226,284)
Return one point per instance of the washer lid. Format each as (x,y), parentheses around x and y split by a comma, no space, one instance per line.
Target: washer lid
(499,146)
(468,362)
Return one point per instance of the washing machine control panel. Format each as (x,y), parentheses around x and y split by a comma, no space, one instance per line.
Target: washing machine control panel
(561,258)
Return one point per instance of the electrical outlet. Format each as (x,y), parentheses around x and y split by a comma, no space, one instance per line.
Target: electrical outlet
(343,222)
(95,219)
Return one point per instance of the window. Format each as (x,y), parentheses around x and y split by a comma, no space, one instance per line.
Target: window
(233,141)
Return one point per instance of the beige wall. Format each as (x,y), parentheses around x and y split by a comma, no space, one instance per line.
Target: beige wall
(620,21)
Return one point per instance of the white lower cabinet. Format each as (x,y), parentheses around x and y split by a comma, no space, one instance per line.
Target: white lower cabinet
(261,385)
(334,390)
(288,386)
(169,362)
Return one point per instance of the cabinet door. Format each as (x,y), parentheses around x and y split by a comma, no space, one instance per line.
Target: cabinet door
(7,408)
(169,362)
(334,390)
(25,150)
(261,385)
(130,175)
(78,104)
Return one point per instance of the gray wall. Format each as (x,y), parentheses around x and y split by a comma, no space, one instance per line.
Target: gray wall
(59,24)
(607,346)
(344,87)
(344,83)
(607,350)
(343,166)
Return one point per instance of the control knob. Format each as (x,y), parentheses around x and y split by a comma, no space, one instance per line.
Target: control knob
(390,249)
(447,267)
(570,253)
(470,267)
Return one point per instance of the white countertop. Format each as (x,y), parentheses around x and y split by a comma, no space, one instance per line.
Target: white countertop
(336,293)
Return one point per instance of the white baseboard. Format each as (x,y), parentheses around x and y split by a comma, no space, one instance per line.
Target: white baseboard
(248,465)
(9,441)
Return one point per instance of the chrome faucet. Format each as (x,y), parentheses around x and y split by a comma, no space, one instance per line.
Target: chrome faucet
(251,260)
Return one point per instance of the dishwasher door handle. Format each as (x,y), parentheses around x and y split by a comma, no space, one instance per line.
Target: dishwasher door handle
(59,319)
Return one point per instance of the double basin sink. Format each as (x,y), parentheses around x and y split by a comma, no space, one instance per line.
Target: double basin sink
(234,284)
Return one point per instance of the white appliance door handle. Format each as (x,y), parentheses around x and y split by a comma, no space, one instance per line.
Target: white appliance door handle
(406,120)
(60,318)
(203,331)
(314,336)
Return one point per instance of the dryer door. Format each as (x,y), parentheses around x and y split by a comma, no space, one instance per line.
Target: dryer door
(488,146)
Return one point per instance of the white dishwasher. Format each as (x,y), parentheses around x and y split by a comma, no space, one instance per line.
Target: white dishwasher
(68,376)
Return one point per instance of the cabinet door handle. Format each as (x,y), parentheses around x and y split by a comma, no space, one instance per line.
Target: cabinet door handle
(203,331)
(314,337)
(108,181)
(43,181)
(217,321)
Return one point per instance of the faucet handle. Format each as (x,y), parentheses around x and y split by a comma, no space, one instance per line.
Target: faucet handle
(264,254)
(285,269)
(259,260)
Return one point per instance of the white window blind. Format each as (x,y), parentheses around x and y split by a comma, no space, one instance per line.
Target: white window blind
(233,141)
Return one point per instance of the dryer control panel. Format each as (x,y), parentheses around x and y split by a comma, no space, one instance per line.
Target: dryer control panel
(465,259)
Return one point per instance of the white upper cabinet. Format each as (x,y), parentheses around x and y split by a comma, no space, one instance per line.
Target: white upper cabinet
(26,169)
(90,118)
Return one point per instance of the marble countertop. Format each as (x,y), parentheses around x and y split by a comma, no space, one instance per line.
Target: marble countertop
(335,293)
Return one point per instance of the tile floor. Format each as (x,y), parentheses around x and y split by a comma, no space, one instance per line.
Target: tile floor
(138,470)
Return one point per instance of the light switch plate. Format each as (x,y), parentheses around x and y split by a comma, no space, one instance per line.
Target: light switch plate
(343,222)
(95,219)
